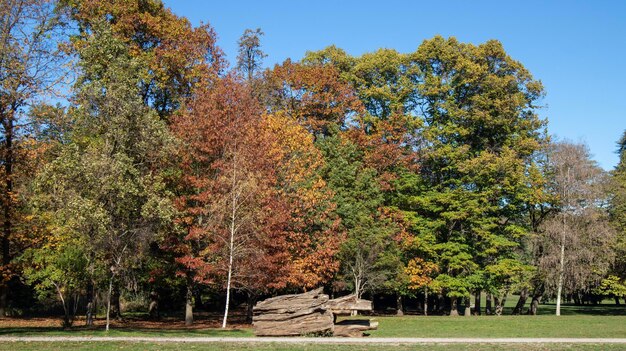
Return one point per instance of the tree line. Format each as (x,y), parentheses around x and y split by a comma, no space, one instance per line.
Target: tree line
(136,162)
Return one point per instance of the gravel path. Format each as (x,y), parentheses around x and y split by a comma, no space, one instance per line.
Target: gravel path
(320,340)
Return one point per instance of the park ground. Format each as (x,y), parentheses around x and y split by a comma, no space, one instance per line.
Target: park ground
(601,321)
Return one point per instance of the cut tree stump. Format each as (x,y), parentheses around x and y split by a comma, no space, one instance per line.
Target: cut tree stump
(310,313)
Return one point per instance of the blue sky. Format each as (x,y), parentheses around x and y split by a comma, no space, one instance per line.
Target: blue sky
(577,49)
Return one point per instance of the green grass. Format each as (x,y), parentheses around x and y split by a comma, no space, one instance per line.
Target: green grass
(140,346)
(600,321)
(580,326)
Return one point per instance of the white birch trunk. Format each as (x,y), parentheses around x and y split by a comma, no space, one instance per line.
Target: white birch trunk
(232,240)
(109,303)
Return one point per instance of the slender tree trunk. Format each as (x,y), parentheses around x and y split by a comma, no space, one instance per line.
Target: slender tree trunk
(559,288)
(189,305)
(233,230)
(500,304)
(519,307)
(230,271)
(3,300)
(399,309)
(250,307)
(468,307)
(153,309)
(534,303)
(425,301)
(7,205)
(616,300)
(90,305)
(488,299)
(116,310)
(454,311)
(197,297)
(477,306)
(109,303)
(442,303)
(66,313)
(576,298)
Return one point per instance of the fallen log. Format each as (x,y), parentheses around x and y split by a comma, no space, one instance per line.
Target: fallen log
(354,327)
(310,313)
(346,304)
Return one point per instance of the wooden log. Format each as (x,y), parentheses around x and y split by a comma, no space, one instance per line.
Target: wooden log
(292,303)
(309,313)
(310,324)
(292,315)
(354,327)
(346,304)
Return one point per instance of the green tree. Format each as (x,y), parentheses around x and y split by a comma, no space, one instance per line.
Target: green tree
(107,177)
(177,57)
(369,256)
(618,209)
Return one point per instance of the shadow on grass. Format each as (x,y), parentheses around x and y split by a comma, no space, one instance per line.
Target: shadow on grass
(588,310)
(121,331)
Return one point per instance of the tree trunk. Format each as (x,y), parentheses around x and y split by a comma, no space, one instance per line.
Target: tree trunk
(109,303)
(500,304)
(477,303)
(7,204)
(425,301)
(617,300)
(153,309)
(3,300)
(454,311)
(197,296)
(488,310)
(519,307)
(442,303)
(534,303)
(90,305)
(189,305)
(468,307)
(559,289)
(116,311)
(399,309)
(250,307)
(577,299)
(231,247)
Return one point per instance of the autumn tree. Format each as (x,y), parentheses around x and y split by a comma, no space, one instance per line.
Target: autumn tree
(227,187)
(384,80)
(312,95)
(575,243)
(253,203)
(305,255)
(178,57)
(30,70)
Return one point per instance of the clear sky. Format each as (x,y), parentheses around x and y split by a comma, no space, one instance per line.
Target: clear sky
(577,49)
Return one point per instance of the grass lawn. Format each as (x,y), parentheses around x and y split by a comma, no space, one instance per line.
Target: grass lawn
(140,346)
(580,326)
(602,321)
